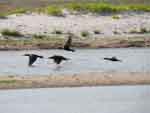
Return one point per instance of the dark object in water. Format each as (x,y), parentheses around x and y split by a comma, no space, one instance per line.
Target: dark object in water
(68,44)
(58,59)
(112,59)
(32,58)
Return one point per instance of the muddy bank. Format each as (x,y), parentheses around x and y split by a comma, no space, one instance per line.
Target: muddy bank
(76,80)
(103,42)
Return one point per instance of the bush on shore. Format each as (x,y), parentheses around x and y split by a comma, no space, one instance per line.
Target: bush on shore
(7,32)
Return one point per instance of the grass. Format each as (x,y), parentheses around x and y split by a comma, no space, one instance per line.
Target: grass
(53,10)
(3,16)
(7,32)
(95,7)
(36,40)
(47,42)
(105,7)
(19,11)
(7,81)
(116,17)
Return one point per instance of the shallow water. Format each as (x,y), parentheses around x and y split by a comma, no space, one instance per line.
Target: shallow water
(83,60)
(113,99)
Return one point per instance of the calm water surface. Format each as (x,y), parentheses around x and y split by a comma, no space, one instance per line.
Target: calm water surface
(114,99)
(83,60)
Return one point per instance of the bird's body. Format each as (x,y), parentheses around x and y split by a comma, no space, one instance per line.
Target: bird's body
(112,59)
(32,58)
(58,59)
(68,44)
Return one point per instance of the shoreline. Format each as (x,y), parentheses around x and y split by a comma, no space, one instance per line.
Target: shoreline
(76,80)
(90,31)
(97,43)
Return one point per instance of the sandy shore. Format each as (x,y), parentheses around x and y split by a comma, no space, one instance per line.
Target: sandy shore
(103,31)
(105,24)
(78,80)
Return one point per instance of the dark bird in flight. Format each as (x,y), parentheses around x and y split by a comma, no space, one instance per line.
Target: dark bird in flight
(112,59)
(32,58)
(68,44)
(58,59)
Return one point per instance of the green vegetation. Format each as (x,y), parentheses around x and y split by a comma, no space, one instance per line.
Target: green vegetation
(144,30)
(85,33)
(106,8)
(58,32)
(39,36)
(53,10)
(7,32)
(141,31)
(7,81)
(115,32)
(115,17)
(36,40)
(19,11)
(3,16)
(95,7)
(97,32)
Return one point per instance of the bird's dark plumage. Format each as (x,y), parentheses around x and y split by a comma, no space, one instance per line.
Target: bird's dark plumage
(32,58)
(58,59)
(68,44)
(112,59)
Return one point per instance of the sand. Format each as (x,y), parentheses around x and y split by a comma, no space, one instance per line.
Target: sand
(40,23)
(78,80)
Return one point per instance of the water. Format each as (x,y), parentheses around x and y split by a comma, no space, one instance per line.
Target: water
(113,99)
(83,60)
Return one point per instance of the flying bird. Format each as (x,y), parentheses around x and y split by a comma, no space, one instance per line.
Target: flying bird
(58,59)
(68,44)
(114,59)
(32,58)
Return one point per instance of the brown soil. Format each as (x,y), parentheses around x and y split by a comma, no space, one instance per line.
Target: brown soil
(77,80)
(96,43)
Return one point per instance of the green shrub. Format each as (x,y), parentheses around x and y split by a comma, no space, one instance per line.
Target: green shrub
(57,32)
(7,32)
(115,17)
(53,10)
(85,33)
(39,36)
(7,81)
(18,11)
(105,7)
(144,30)
(115,32)
(97,32)
(3,16)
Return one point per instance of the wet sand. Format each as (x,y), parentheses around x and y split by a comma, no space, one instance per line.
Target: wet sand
(76,80)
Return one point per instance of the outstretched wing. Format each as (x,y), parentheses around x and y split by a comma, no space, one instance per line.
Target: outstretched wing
(32,59)
(64,58)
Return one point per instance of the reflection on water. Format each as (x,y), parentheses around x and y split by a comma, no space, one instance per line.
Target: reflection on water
(83,60)
(113,99)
